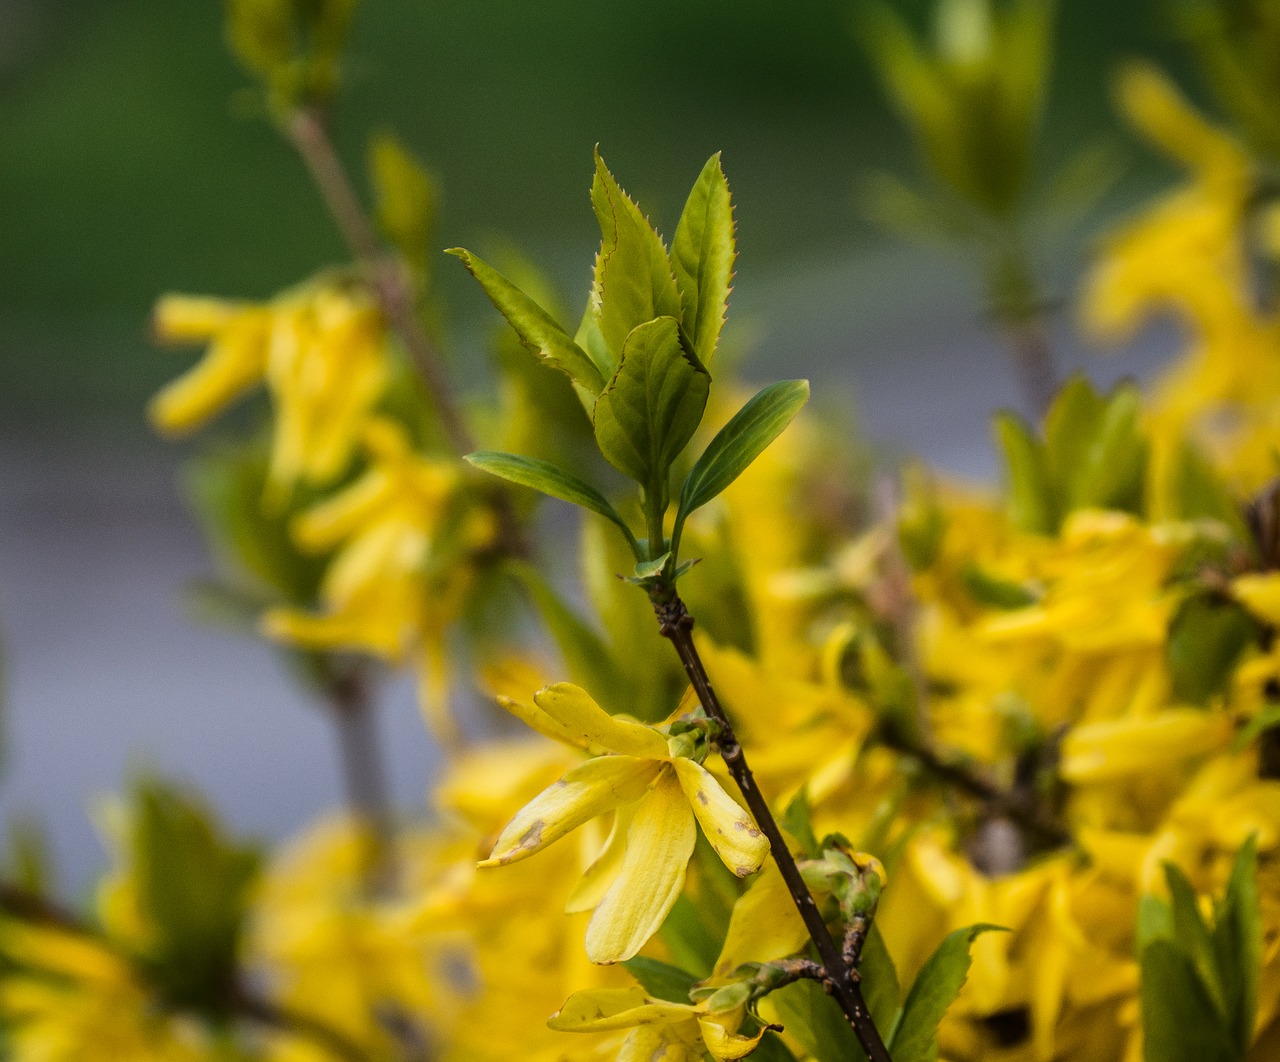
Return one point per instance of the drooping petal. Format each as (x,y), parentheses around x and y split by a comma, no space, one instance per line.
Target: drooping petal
(724,1044)
(1115,748)
(764,925)
(730,829)
(234,363)
(608,1009)
(597,878)
(536,719)
(659,845)
(573,708)
(597,786)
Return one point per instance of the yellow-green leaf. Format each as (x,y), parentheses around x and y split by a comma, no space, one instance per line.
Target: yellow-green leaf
(702,253)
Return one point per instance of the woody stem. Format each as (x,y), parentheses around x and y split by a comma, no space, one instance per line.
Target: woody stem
(676,625)
(364,772)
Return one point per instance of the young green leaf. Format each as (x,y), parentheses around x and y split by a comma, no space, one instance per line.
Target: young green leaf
(1237,945)
(1110,474)
(406,198)
(1179,1020)
(633,279)
(660,979)
(1031,504)
(740,442)
(1069,427)
(914,1037)
(879,980)
(535,327)
(652,405)
(548,479)
(1206,638)
(795,819)
(1192,934)
(702,253)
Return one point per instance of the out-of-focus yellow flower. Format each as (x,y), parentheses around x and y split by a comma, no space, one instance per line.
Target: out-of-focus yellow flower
(70,999)
(1183,253)
(673,1032)
(321,352)
(660,798)
(382,593)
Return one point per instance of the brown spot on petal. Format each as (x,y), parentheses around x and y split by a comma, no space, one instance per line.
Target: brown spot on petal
(702,798)
(531,837)
(743,872)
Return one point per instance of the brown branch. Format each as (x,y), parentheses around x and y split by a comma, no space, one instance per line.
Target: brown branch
(365,775)
(676,625)
(1019,807)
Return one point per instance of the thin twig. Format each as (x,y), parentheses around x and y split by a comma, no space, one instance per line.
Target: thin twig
(676,625)
(1028,342)
(306,131)
(1023,810)
(364,772)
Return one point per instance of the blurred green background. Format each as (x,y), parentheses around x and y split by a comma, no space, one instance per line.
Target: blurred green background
(132,162)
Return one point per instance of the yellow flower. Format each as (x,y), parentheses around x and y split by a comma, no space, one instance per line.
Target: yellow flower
(661,1031)
(67,998)
(321,352)
(660,799)
(380,593)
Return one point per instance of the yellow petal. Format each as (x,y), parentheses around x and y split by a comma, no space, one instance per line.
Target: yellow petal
(650,1044)
(724,1044)
(232,365)
(597,878)
(1260,594)
(597,786)
(609,1009)
(730,829)
(659,845)
(192,318)
(1154,104)
(764,925)
(573,708)
(536,719)
(1116,748)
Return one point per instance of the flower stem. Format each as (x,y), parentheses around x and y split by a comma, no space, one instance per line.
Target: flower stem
(676,625)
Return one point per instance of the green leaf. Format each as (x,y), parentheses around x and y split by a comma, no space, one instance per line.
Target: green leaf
(1030,497)
(535,327)
(1206,638)
(1069,426)
(814,1020)
(1179,1021)
(988,589)
(660,979)
(652,405)
(406,198)
(1267,718)
(914,1037)
(1199,493)
(739,443)
(651,569)
(796,821)
(702,253)
(633,279)
(691,943)
(1237,945)
(879,975)
(548,479)
(1110,474)
(193,889)
(1192,934)
(1155,921)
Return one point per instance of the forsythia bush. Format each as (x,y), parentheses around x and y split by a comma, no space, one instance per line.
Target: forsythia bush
(926,771)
